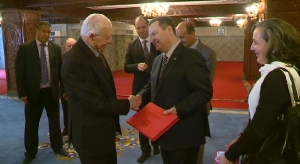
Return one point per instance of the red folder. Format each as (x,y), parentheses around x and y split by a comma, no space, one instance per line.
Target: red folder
(151,122)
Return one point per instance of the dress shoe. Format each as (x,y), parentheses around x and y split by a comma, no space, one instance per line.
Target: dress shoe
(27,160)
(64,132)
(143,158)
(62,152)
(156,150)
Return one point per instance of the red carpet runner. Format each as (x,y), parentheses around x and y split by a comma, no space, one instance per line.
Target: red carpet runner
(3,86)
(229,89)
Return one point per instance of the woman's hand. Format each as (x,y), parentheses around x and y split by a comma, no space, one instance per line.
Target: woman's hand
(232,142)
(224,160)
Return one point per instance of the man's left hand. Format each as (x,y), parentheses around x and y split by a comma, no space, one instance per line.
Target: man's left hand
(172,110)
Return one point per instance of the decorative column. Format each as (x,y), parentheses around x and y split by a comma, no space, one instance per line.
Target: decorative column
(18,26)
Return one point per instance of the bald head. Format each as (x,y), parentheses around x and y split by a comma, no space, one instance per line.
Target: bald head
(186,33)
(70,43)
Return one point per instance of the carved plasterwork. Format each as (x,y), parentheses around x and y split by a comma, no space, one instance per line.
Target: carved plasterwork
(18,26)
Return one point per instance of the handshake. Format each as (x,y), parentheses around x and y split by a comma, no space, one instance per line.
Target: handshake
(135,102)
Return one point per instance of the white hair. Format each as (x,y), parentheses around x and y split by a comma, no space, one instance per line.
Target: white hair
(93,24)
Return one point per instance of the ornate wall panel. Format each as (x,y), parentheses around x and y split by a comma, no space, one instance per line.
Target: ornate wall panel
(288,10)
(283,5)
(18,26)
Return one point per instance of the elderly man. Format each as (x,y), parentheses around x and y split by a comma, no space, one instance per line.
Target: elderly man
(91,92)
(186,32)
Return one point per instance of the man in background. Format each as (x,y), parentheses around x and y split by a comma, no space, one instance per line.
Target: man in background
(90,88)
(180,84)
(138,60)
(69,44)
(38,66)
(185,31)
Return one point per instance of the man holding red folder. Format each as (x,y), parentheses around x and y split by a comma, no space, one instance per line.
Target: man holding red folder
(138,60)
(179,83)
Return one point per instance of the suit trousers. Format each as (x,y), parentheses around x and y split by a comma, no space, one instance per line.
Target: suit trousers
(104,158)
(181,156)
(144,143)
(64,105)
(33,113)
(201,154)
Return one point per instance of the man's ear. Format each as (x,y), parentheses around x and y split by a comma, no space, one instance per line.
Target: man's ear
(192,33)
(170,30)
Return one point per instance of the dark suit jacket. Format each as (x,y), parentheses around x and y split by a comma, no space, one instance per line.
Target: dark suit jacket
(210,57)
(93,107)
(185,84)
(134,56)
(28,70)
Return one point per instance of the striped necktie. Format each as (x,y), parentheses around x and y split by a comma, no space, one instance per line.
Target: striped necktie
(45,77)
(164,64)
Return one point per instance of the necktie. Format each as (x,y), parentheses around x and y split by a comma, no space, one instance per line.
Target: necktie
(145,49)
(101,57)
(164,64)
(45,78)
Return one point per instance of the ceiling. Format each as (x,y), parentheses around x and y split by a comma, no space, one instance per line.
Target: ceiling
(72,11)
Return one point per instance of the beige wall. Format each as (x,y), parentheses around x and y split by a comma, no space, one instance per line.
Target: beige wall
(229,46)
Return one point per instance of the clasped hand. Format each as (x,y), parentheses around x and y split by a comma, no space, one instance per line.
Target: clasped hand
(135,102)
(142,66)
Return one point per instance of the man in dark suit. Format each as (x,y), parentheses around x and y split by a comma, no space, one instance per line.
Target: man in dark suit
(136,56)
(70,42)
(38,66)
(185,31)
(179,83)
(91,93)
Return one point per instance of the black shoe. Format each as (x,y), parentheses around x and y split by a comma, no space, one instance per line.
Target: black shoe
(62,152)
(143,158)
(64,132)
(27,160)
(156,150)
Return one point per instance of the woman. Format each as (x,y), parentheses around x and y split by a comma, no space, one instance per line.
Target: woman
(276,44)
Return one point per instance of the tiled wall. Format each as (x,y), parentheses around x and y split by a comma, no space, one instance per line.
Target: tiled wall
(228,45)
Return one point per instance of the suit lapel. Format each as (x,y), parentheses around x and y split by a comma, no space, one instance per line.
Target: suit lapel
(106,72)
(140,49)
(156,69)
(35,52)
(52,53)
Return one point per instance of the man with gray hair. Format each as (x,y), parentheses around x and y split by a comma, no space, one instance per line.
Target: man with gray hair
(91,93)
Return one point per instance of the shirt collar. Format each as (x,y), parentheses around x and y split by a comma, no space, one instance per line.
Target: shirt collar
(195,44)
(38,42)
(170,52)
(142,40)
(93,50)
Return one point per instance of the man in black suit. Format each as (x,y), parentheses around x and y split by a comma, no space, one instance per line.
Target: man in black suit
(136,56)
(185,31)
(180,84)
(38,66)
(63,99)
(91,93)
